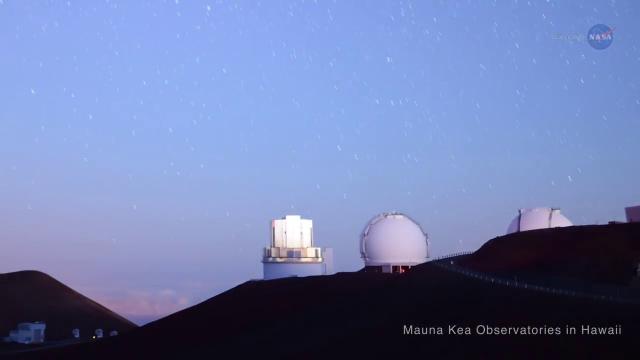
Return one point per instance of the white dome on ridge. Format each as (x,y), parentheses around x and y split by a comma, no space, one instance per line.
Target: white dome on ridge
(538,218)
(393,239)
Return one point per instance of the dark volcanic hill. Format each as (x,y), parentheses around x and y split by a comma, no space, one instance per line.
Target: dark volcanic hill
(597,253)
(364,314)
(35,296)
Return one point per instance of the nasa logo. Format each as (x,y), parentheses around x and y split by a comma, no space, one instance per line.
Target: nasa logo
(600,36)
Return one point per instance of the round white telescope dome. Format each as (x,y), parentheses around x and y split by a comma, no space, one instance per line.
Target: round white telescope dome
(537,218)
(393,239)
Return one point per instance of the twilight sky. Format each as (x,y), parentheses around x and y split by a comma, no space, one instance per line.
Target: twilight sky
(146,145)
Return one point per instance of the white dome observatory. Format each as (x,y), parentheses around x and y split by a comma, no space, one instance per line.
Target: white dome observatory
(393,242)
(538,218)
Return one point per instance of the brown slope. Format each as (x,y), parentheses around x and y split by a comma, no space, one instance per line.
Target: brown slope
(598,253)
(35,296)
(363,314)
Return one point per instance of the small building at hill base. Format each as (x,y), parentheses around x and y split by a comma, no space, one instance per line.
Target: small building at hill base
(28,333)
